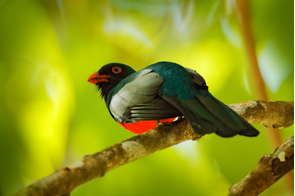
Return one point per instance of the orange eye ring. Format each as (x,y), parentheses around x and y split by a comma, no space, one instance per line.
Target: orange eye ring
(116,69)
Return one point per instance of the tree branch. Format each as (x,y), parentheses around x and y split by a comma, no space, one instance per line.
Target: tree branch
(63,181)
(270,169)
(272,114)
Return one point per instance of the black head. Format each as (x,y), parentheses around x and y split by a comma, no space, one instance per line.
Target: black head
(109,76)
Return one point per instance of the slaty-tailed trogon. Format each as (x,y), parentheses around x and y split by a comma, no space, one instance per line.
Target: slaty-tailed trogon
(160,93)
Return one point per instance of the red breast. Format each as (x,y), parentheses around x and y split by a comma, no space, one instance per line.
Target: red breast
(143,126)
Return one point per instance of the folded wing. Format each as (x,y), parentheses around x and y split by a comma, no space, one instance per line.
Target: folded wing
(138,100)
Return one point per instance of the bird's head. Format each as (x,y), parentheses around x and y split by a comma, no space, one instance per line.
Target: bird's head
(109,76)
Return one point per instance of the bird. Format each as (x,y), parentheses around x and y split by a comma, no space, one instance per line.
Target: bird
(162,93)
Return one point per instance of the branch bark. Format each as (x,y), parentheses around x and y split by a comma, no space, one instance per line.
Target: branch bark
(270,169)
(271,114)
(63,181)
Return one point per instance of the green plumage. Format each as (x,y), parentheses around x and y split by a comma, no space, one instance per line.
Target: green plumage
(164,90)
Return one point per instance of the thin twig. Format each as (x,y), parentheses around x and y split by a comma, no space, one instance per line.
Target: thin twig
(243,10)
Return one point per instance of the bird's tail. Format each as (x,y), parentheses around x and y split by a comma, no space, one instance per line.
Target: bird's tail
(207,115)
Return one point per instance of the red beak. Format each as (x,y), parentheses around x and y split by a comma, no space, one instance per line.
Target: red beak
(96,78)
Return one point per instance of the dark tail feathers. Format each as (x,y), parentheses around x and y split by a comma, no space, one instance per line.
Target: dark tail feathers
(207,115)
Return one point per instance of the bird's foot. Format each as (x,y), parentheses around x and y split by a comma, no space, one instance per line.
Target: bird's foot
(176,120)
(163,123)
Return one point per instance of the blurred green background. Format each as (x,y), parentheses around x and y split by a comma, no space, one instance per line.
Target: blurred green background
(51,117)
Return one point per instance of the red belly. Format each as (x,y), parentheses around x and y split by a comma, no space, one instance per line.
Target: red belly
(143,126)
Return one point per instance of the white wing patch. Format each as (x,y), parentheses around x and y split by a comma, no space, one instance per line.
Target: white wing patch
(143,89)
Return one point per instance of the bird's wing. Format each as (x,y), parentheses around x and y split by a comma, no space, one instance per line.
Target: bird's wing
(134,101)
(155,109)
(197,78)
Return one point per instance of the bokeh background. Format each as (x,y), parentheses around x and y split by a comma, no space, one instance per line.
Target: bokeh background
(51,117)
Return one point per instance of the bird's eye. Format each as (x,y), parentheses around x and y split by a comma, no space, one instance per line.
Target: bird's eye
(116,69)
